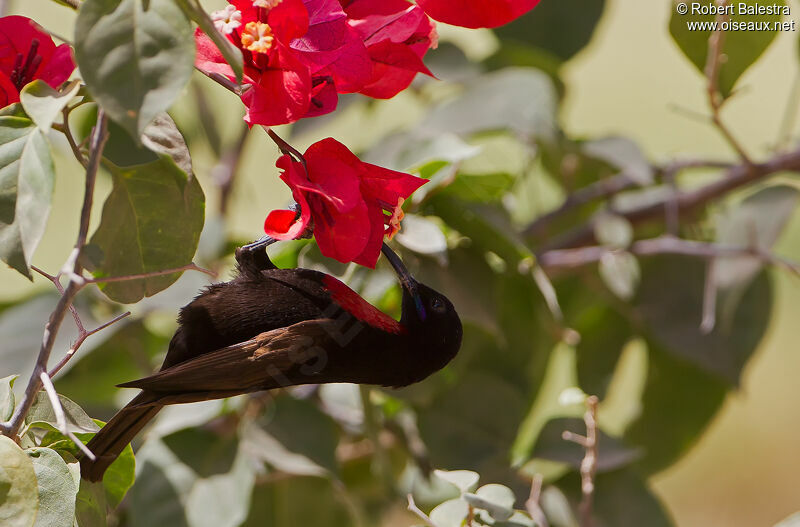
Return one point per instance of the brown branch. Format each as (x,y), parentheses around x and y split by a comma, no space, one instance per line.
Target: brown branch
(735,177)
(715,100)
(574,258)
(607,188)
(76,151)
(82,336)
(589,463)
(99,136)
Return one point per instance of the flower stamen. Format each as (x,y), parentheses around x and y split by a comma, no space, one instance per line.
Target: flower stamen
(257,37)
(393,222)
(226,20)
(266,4)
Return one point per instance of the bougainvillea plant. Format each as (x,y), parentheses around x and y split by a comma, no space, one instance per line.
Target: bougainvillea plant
(298,56)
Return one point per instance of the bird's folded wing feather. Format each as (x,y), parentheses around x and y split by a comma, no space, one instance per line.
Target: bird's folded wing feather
(252,365)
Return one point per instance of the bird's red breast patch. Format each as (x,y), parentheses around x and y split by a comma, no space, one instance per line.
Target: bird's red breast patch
(354,304)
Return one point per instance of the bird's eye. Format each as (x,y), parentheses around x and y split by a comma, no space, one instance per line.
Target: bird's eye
(437,305)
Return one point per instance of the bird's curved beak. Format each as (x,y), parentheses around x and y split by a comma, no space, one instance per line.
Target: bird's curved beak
(406,280)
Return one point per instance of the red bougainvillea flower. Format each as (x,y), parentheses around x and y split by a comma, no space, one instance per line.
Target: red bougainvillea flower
(296,54)
(476,13)
(26,53)
(397,35)
(352,204)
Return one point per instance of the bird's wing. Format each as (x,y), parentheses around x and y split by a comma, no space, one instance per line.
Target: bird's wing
(270,360)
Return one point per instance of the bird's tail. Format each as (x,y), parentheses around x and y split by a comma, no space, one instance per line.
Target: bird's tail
(112,439)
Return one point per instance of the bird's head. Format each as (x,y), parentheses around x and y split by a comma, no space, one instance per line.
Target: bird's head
(427,314)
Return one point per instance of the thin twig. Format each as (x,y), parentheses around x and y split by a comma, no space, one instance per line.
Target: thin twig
(532,504)
(418,512)
(76,151)
(82,336)
(285,147)
(712,70)
(588,467)
(61,419)
(573,258)
(709,318)
(98,136)
(189,267)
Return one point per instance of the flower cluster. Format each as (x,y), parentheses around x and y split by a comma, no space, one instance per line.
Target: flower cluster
(353,204)
(300,54)
(28,53)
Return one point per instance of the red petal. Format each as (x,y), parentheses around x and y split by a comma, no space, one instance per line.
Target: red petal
(280,224)
(282,94)
(372,250)
(208,58)
(394,67)
(289,20)
(379,20)
(8,92)
(380,183)
(476,13)
(58,68)
(323,99)
(348,235)
(334,174)
(16,35)
(353,67)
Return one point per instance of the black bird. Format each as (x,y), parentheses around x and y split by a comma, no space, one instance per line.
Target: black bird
(270,328)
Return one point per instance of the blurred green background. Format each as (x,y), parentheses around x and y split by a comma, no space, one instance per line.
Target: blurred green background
(632,81)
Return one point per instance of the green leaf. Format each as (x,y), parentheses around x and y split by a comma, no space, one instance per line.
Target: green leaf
(151,222)
(90,505)
(231,54)
(621,498)
(740,48)
(465,480)
(300,501)
(620,271)
(559,27)
(670,304)
(518,99)
(304,429)
(612,452)
(451,513)
(422,235)
(26,190)
(497,500)
(623,154)
(44,104)
(481,187)
(19,498)
(41,415)
(135,61)
(487,226)
(679,402)
(557,508)
(757,221)
(119,477)
(461,429)
(7,402)
(613,230)
(57,488)
(604,333)
(159,137)
(222,500)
